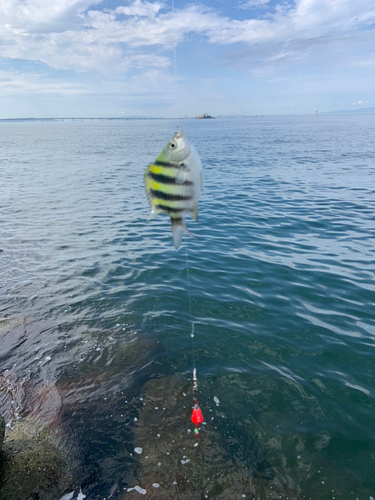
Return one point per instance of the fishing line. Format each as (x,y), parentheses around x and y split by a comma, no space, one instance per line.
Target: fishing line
(197,416)
(174,51)
(195,382)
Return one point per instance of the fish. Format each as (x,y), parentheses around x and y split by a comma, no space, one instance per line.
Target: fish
(173,184)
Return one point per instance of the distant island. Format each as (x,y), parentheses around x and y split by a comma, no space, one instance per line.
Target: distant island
(348,111)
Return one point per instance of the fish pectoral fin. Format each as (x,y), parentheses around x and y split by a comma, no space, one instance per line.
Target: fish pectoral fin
(154,213)
(182,174)
(178,228)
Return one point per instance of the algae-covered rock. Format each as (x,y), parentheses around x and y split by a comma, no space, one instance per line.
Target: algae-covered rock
(32,458)
(33,467)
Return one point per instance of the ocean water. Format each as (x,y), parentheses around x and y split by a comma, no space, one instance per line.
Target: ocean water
(95,309)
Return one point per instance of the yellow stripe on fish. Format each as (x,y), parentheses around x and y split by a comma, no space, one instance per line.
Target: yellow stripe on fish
(163,169)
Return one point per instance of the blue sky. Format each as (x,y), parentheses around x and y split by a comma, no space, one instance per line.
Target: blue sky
(117,57)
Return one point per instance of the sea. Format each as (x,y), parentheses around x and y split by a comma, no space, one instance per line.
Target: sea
(277,288)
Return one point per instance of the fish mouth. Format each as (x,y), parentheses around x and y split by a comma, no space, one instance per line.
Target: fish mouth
(180,135)
(184,151)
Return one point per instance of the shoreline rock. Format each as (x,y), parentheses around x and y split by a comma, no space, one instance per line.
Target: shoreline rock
(32,465)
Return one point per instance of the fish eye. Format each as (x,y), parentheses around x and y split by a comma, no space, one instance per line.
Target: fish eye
(173,145)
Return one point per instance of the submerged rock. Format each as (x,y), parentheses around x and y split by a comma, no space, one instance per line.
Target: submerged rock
(171,461)
(171,466)
(7,324)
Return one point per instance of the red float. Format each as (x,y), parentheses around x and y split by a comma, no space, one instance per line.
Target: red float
(197,416)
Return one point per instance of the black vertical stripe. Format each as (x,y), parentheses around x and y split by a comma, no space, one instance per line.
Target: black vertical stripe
(165,164)
(172,209)
(176,221)
(166,179)
(169,197)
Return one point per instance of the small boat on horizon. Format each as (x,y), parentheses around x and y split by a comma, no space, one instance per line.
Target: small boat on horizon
(204,117)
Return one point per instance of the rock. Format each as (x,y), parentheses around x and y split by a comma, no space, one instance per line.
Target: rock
(33,467)
(32,459)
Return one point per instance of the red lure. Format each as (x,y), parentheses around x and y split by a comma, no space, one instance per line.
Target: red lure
(197,418)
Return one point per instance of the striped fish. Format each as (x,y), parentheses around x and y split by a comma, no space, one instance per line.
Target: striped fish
(173,184)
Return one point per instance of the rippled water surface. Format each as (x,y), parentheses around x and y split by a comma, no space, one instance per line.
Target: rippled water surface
(95,312)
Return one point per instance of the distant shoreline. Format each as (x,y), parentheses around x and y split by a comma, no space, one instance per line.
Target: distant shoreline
(129,118)
(69,119)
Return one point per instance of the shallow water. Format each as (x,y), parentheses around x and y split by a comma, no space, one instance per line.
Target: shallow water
(95,303)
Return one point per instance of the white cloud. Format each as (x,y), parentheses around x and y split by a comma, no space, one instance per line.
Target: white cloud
(74,34)
(35,83)
(305,19)
(139,8)
(360,102)
(38,16)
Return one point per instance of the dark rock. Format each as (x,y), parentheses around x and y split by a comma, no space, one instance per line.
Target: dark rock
(2,430)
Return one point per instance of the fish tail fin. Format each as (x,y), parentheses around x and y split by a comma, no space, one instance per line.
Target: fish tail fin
(178,228)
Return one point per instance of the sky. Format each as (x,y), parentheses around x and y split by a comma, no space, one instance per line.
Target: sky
(176,58)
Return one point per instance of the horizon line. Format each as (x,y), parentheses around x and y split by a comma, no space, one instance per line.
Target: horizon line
(83,118)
